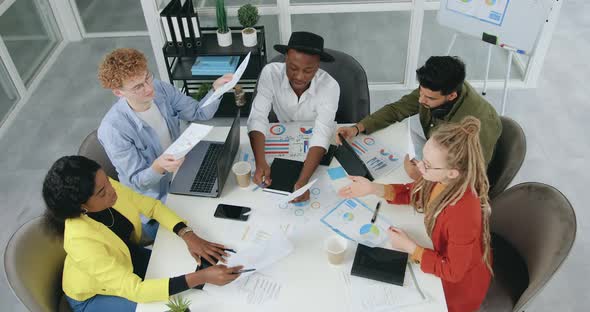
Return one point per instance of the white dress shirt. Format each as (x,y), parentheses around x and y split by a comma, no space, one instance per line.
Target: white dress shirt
(318,103)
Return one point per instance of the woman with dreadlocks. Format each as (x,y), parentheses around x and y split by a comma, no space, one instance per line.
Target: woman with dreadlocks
(453,195)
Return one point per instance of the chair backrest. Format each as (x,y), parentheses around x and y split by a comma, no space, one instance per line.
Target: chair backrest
(92,149)
(354,103)
(508,156)
(33,261)
(540,223)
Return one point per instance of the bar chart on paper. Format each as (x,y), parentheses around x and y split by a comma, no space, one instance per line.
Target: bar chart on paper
(379,159)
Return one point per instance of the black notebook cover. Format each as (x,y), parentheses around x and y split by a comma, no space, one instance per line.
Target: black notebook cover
(380,264)
(284,173)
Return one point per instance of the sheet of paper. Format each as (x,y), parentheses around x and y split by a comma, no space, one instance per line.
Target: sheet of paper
(351,219)
(256,289)
(373,296)
(187,140)
(378,158)
(300,191)
(415,142)
(260,253)
(230,84)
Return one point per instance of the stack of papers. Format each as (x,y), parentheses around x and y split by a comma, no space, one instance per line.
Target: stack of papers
(215,65)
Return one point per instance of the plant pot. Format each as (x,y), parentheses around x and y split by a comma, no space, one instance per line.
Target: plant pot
(249,37)
(224,39)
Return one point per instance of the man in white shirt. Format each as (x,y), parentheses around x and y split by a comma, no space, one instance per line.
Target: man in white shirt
(297,90)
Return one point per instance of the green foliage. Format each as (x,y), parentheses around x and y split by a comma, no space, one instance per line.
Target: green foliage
(221,17)
(178,304)
(202,91)
(248,15)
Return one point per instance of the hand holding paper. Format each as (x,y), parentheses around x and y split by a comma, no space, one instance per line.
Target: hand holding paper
(300,191)
(187,140)
(228,86)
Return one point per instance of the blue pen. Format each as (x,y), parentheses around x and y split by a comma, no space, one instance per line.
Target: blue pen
(261,185)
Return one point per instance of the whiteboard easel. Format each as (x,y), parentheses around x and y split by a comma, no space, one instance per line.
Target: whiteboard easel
(514,25)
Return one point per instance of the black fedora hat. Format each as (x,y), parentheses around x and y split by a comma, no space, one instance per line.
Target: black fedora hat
(306,42)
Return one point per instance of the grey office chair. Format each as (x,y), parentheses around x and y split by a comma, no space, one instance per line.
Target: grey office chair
(354,103)
(92,149)
(33,261)
(508,156)
(534,229)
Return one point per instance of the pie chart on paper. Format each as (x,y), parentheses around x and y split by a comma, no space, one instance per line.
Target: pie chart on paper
(370,232)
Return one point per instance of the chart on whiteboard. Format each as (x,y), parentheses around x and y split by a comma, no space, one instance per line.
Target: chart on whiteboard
(491,11)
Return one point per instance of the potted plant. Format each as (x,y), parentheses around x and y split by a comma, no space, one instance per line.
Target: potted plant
(223,32)
(178,304)
(202,91)
(248,17)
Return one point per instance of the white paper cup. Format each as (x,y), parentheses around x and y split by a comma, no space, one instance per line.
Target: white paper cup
(242,171)
(335,247)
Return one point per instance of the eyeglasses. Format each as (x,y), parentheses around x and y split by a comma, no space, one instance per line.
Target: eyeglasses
(422,165)
(140,88)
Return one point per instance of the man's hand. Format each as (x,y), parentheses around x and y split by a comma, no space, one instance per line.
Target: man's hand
(199,247)
(262,170)
(305,196)
(220,274)
(348,132)
(411,168)
(222,80)
(166,163)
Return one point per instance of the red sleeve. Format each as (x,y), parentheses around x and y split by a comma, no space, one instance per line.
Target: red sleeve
(398,194)
(462,234)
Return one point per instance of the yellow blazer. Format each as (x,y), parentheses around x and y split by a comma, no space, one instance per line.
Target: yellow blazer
(99,263)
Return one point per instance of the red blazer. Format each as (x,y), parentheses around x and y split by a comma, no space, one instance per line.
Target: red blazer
(457,257)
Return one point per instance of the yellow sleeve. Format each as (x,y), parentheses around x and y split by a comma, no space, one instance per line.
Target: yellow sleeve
(113,277)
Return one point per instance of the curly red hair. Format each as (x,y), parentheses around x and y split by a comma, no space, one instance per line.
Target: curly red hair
(121,65)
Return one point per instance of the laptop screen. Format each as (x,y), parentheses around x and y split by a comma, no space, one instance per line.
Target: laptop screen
(230,149)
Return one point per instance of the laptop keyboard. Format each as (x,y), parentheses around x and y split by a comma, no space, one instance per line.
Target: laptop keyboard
(205,179)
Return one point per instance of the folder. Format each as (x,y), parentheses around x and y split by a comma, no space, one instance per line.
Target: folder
(190,25)
(380,264)
(170,23)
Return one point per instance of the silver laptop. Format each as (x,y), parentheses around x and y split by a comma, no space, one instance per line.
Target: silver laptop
(206,167)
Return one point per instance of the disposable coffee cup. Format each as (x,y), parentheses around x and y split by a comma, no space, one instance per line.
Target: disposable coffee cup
(335,247)
(242,171)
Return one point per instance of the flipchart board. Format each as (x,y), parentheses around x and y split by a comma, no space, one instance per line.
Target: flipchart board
(515,23)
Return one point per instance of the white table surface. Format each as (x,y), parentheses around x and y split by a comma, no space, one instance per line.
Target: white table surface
(309,282)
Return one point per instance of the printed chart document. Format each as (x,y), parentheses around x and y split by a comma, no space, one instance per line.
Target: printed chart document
(351,219)
(187,140)
(229,85)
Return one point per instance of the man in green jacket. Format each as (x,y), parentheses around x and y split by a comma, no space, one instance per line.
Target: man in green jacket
(443,96)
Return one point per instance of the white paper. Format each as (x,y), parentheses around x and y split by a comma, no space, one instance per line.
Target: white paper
(229,85)
(415,142)
(187,140)
(300,191)
(371,295)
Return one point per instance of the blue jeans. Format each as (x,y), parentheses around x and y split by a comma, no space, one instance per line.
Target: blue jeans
(100,303)
(150,229)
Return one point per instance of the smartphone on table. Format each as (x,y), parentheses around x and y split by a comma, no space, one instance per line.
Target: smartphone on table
(232,212)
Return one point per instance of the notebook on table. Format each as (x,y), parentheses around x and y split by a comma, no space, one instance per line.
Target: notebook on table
(380,264)
(284,174)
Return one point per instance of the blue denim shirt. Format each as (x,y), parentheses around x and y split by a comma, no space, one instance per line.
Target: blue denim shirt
(132,145)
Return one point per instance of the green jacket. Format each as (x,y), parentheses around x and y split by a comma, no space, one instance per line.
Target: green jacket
(468,103)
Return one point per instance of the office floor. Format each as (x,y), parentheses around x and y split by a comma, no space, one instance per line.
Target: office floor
(69,104)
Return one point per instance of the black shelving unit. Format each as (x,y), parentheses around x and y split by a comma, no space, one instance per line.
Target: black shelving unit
(179,61)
